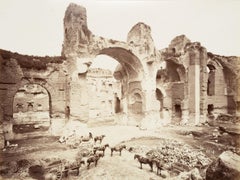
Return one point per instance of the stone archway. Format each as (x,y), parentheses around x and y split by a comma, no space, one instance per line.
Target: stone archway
(129,74)
(31,109)
(137,57)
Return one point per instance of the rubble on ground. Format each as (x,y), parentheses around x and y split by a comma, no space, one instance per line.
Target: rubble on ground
(178,157)
(172,151)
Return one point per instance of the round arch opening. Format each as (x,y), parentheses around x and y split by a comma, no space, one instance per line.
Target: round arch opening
(31,109)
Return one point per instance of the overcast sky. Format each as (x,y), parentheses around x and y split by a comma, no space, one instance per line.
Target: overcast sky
(35,27)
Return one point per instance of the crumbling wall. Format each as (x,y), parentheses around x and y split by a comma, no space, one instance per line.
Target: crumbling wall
(183,80)
(209,80)
(15,75)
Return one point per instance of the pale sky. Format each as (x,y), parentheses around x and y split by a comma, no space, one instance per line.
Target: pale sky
(35,27)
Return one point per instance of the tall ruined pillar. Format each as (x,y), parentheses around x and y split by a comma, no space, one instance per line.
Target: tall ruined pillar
(194,85)
(197,83)
(203,84)
(77,38)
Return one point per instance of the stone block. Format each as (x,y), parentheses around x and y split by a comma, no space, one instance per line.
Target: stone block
(227,166)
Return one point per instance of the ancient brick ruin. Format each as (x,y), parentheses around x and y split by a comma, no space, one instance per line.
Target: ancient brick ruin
(181,84)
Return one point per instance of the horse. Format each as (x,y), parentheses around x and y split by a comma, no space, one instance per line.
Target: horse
(94,159)
(73,166)
(144,160)
(118,148)
(101,148)
(99,138)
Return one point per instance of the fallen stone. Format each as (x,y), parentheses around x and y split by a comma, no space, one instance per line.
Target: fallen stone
(227,166)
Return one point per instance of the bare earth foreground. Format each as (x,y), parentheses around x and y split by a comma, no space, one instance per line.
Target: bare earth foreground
(198,144)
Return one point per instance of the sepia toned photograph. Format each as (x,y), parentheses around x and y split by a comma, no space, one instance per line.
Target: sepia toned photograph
(119,90)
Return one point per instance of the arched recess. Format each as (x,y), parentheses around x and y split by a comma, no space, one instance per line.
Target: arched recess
(211,79)
(129,73)
(31,108)
(135,105)
(12,90)
(37,81)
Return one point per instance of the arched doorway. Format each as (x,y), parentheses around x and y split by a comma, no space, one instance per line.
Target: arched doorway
(95,101)
(127,75)
(31,109)
(136,103)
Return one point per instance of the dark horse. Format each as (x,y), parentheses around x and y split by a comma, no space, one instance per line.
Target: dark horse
(144,160)
(99,138)
(101,148)
(94,159)
(118,148)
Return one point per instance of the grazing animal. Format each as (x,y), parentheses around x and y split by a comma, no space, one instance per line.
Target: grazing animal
(101,148)
(159,165)
(118,148)
(73,166)
(144,160)
(94,159)
(85,139)
(99,138)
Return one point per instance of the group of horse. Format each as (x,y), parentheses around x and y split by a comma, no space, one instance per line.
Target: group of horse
(98,152)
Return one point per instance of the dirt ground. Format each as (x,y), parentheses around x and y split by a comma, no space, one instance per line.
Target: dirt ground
(200,138)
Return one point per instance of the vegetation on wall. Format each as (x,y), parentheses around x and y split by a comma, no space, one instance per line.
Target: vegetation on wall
(31,62)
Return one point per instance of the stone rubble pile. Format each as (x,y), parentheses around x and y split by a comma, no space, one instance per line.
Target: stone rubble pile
(175,154)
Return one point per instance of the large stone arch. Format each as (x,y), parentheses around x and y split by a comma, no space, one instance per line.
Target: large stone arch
(137,56)
(25,81)
(8,108)
(131,69)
